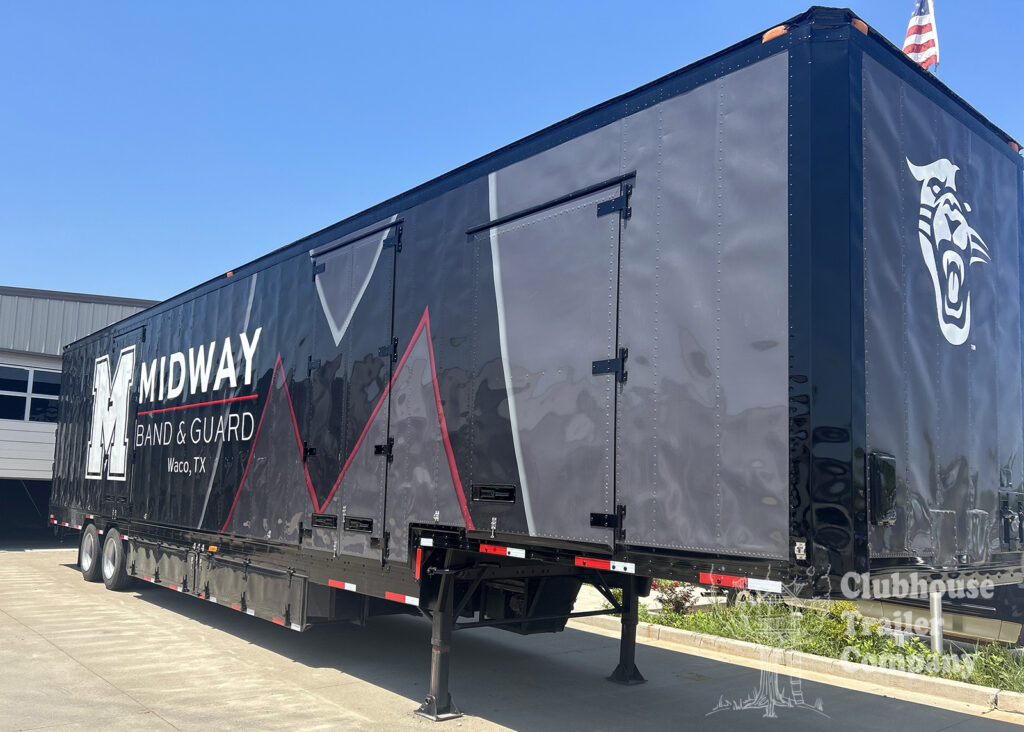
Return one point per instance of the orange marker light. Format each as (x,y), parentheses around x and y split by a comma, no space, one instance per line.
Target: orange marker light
(779,30)
(212,548)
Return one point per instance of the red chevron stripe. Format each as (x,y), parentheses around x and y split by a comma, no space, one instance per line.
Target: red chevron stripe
(424,325)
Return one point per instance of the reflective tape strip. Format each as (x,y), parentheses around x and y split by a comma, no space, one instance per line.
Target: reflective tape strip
(277,621)
(504,551)
(63,523)
(89,516)
(761,585)
(740,583)
(148,579)
(395,597)
(723,580)
(99,531)
(419,561)
(591,563)
(78,526)
(124,536)
(296,627)
(250,612)
(342,585)
(426,542)
(236,606)
(175,587)
(212,599)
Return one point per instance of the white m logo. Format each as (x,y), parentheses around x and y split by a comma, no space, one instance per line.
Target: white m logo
(108,438)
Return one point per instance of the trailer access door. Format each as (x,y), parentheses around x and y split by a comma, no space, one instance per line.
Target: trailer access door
(556,281)
(351,362)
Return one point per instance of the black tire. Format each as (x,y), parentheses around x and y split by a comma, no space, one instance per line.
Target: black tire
(113,565)
(90,551)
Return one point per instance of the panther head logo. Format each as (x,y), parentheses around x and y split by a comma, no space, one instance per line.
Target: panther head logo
(949,246)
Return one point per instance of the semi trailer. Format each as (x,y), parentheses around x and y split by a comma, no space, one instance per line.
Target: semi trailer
(755,325)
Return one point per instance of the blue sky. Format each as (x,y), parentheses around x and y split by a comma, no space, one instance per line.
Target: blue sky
(147,147)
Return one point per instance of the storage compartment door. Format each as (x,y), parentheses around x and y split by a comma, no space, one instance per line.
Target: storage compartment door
(556,285)
(345,430)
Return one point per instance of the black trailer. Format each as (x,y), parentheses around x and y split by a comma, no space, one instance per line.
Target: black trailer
(755,324)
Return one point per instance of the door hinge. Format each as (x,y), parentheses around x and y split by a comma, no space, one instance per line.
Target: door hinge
(318,268)
(615,366)
(615,521)
(308,451)
(314,364)
(619,203)
(394,239)
(391,350)
(386,449)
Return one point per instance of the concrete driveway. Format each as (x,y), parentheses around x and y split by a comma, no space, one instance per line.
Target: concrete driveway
(74,655)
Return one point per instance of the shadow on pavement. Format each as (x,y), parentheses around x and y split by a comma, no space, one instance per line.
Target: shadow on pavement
(558,680)
(28,537)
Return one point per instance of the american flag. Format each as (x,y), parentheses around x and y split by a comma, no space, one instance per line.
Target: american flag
(922,43)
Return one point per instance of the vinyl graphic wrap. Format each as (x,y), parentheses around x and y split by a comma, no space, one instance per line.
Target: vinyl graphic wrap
(942,323)
(949,246)
(764,312)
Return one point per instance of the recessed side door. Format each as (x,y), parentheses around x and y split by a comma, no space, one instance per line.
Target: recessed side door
(345,431)
(556,272)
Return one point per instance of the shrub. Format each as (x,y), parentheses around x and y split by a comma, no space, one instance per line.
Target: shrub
(675,597)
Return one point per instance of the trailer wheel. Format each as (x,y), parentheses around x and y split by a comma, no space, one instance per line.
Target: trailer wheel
(115,573)
(89,550)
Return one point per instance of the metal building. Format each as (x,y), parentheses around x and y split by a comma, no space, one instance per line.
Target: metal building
(34,327)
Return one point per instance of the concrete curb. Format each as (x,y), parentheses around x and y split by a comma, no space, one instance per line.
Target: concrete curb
(957,691)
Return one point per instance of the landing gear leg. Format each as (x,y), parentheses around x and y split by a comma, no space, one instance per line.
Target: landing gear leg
(626,672)
(438,705)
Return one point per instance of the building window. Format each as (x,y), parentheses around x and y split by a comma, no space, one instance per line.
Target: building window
(29,394)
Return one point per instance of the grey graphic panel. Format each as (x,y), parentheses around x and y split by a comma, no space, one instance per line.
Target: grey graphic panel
(942,322)
(703,420)
(559,278)
(422,479)
(360,493)
(572,166)
(346,275)
(275,495)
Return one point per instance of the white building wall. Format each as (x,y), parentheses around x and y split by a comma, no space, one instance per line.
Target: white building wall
(34,327)
(26,448)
